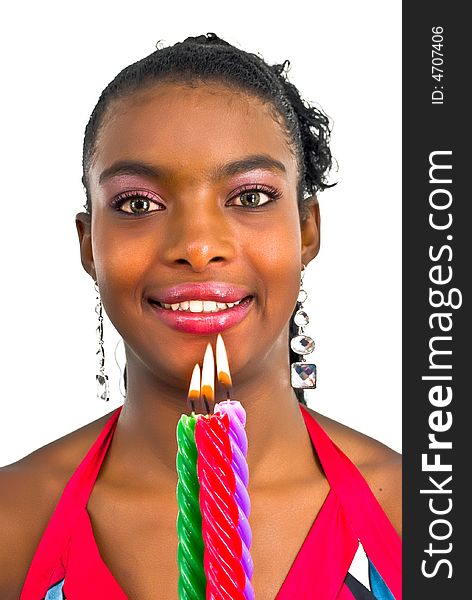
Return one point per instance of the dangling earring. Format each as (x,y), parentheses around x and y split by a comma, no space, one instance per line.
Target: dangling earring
(102,378)
(303,374)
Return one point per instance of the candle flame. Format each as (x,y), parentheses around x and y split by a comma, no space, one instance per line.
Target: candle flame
(208,376)
(194,389)
(224,376)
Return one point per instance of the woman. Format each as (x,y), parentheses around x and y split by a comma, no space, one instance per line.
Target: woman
(201,167)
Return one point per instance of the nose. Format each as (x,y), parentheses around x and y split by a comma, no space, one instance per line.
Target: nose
(199,236)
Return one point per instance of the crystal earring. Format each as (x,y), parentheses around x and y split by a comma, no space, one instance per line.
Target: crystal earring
(303,374)
(102,378)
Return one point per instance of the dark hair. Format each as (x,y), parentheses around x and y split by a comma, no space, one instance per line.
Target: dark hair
(209,58)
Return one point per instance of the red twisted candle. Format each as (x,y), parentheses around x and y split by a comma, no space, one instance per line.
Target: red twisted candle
(223,549)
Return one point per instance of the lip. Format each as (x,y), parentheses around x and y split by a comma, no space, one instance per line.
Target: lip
(216,291)
(203,323)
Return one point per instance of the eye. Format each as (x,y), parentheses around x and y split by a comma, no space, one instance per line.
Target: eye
(137,202)
(253,196)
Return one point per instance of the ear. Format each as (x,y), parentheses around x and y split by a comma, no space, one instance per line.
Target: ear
(83,222)
(310,230)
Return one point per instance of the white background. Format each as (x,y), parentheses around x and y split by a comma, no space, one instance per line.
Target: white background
(56,59)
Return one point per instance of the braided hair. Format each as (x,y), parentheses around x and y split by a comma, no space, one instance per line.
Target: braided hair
(209,58)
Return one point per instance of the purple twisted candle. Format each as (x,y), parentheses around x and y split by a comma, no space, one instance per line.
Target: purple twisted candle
(238,440)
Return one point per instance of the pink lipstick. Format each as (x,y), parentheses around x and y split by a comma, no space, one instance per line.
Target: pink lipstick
(183,307)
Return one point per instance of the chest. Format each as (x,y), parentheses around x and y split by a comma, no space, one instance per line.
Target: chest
(138,541)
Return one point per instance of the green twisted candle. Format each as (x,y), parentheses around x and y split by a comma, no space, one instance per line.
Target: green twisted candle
(192,580)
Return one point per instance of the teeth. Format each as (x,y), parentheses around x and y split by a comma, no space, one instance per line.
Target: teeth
(196,306)
(207,306)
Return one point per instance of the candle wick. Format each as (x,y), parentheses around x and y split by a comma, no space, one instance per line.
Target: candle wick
(228,394)
(207,406)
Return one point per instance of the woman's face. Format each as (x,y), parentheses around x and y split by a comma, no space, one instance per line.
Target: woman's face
(195,185)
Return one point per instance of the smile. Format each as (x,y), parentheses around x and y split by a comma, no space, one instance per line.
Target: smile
(202,316)
(200,306)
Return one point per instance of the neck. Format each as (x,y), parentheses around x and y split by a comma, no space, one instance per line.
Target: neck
(279,447)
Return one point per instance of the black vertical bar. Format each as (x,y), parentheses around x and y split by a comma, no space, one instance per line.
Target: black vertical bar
(437,267)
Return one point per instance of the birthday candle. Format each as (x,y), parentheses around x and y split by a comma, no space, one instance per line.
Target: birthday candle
(225,574)
(192,581)
(223,547)
(238,440)
(239,445)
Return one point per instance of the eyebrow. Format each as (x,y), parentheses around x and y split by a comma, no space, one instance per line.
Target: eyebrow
(248,163)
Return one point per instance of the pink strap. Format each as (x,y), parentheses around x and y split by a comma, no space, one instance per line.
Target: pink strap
(321,565)
(75,496)
(88,575)
(363,511)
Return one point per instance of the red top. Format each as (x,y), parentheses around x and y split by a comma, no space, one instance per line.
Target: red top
(67,562)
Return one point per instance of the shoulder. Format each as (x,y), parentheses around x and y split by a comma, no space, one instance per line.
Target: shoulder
(30,489)
(380,466)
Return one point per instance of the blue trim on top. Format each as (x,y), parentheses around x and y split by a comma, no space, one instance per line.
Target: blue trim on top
(377,584)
